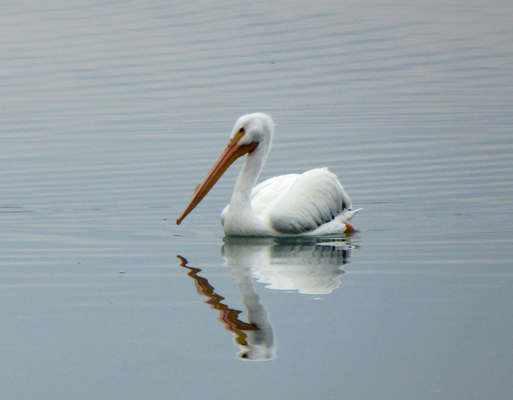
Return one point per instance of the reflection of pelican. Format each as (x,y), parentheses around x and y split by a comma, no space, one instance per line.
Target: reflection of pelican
(311,204)
(255,338)
(308,266)
(311,266)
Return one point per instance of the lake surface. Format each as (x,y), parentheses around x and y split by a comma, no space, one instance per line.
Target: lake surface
(112,112)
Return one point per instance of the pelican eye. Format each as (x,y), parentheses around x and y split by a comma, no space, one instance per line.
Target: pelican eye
(239,134)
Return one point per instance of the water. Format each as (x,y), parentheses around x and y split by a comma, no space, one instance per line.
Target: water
(113,111)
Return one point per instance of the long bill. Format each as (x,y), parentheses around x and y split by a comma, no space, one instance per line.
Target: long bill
(227,157)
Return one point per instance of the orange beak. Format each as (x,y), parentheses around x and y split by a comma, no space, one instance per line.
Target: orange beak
(227,157)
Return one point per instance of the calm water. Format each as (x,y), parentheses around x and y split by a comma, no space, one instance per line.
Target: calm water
(112,112)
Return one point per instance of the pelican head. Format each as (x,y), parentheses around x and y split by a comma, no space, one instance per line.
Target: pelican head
(251,133)
(253,128)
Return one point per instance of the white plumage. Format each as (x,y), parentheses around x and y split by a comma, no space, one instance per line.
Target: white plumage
(313,203)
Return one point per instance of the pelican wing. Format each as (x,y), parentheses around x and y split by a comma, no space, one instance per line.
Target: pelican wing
(265,194)
(269,191)
(312,199)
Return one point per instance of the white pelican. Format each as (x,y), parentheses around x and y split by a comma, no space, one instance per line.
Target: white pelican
(311,204)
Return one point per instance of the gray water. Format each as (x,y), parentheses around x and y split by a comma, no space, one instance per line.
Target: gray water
(112,112)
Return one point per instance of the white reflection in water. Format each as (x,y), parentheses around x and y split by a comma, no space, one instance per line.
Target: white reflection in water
(312,266)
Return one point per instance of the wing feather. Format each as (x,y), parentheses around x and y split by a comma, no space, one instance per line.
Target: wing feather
(313,198)
(266,193)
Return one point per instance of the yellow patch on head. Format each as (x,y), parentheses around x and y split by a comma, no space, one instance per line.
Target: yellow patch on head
(239,135)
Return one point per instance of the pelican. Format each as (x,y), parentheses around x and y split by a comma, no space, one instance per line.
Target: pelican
(310,204)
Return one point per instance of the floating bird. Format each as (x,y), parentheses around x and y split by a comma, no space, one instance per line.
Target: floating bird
(310,204)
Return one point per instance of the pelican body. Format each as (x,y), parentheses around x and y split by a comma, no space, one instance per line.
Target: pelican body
(310,204)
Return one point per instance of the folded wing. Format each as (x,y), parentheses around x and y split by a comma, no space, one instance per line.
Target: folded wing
(306,201)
